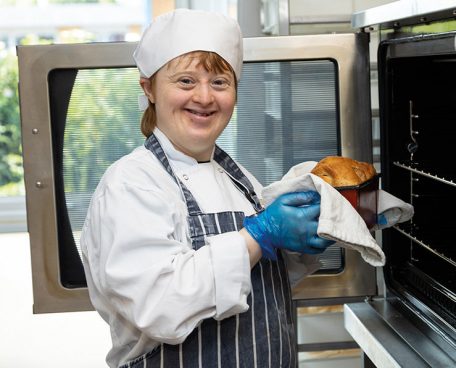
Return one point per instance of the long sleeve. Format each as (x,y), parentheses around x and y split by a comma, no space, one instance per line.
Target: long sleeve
(140,259)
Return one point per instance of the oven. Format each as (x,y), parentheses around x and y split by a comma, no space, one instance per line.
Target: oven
(414,323)
(300,98)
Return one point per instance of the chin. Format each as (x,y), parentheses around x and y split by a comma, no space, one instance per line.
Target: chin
(200,150)
(202,138)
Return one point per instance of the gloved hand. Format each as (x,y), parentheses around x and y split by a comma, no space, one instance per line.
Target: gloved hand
(290,222)
(381,220)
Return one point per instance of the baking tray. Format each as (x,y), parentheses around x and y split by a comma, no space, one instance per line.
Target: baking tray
(363,198)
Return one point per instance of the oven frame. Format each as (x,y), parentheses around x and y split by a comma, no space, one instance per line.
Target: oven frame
(399,295)
(349,51)
(400,329)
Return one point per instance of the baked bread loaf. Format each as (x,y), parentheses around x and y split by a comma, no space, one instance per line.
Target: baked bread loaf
(343,171)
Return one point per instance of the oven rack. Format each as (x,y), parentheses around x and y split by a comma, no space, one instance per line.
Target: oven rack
(423,173)
(424,245)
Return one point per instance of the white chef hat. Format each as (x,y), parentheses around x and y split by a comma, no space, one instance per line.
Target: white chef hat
(181,31)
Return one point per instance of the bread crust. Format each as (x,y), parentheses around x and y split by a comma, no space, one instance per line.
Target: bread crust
(343,171)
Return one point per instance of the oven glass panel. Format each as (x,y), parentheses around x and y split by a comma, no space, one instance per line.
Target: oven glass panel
(286,114)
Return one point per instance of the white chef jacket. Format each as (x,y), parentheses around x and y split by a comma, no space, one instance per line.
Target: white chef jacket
(143,276)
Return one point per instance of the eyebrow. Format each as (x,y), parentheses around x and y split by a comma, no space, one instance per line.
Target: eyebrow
(192,73)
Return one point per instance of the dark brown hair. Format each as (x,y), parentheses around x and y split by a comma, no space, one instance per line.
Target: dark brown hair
(210,61)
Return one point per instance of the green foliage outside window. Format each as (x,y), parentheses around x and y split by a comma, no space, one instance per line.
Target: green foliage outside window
(12,2)
(11,172)
(102,125)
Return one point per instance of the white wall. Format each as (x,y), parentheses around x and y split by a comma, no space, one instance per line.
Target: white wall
(309,8)
(48,20)
(70,340)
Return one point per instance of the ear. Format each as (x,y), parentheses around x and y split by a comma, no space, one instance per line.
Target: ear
(146,85)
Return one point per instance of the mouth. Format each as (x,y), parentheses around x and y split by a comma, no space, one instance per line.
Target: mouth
(200,113)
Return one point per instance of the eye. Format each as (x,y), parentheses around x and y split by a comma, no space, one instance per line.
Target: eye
(220,83)
(185,81)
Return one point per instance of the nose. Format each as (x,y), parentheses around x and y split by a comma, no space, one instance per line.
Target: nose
(203,94)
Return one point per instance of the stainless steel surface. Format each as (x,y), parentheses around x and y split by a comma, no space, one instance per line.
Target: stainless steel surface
(319,19)
(284,18)
(350,53)
(420,267)
(412,147)
(249,18)
(357,279)
(424,245)
(35,63)
(426,174)
(404,12)
(391,340)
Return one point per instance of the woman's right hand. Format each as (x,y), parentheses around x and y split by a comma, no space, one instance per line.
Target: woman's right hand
(290,222)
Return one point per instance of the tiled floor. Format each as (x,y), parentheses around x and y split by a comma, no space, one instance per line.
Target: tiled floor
(46,340)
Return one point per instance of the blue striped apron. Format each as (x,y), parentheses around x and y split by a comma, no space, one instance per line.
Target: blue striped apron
(263,336)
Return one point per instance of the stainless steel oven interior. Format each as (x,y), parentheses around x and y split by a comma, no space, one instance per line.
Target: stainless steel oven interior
(417,75)
(414,323)
(301,98)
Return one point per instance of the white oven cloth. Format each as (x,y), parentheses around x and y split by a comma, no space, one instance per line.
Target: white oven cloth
(339,221)
(393,209)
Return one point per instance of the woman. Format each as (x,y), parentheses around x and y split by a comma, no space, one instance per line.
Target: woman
(173,264)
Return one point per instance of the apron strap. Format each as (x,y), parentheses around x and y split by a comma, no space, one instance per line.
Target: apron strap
(202,224)
(238,177)
(153,145)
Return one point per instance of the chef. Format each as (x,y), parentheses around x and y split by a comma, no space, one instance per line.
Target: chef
(181,259)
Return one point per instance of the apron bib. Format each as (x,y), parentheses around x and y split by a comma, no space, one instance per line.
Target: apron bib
(261,337)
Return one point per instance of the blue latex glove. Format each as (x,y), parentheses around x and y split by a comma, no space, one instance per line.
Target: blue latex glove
(290,222)
(381,220)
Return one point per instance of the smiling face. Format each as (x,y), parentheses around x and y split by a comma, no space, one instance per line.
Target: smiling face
(193,105)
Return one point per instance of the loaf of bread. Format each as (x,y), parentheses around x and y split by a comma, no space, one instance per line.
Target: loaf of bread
(343,171)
